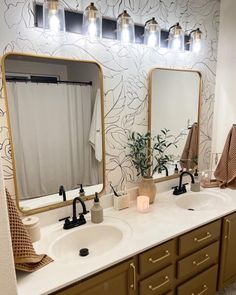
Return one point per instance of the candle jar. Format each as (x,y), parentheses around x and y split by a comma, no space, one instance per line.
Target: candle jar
(143,204)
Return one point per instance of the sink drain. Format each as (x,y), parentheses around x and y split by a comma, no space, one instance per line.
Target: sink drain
(191,209)
(84,252)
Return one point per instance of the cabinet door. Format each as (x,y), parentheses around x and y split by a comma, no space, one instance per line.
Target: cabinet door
(117,280)
(228,257)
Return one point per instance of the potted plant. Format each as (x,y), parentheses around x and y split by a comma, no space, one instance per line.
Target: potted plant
(149,155)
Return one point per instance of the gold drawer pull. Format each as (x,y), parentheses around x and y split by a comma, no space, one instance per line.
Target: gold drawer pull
(203,291)
(227,236)
(167,280)
(208,235)
(133,285)
(207,257)
(167,254)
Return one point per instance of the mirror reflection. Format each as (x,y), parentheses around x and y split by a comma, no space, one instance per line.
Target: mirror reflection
(174,114)
(55,111)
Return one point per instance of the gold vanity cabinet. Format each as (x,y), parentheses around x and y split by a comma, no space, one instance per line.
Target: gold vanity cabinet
(157,258)
(117,280)
(228,251)
(199,238)
(158,283)
(202,284)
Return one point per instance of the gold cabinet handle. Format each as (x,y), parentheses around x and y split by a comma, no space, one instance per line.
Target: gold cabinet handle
(207,257)
(133,285)
(167,280)
(167,254)
(227,236)
(205,288)
(197,240)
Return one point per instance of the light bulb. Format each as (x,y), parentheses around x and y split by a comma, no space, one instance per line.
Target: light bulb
(54,23)
(176,43)
(152,33)
(125,36)
(176,38)
(92,21)
(195,40)
(125,28)
(152,40)
(53,16)
(92,29)
(197,47)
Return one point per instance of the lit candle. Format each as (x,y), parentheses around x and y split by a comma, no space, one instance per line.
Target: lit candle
(143,203)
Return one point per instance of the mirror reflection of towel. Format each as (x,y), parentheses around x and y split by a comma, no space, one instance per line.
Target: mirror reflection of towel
(226,170)
(189,158)
(95,134)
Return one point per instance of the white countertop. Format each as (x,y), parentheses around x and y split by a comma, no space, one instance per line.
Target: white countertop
(164,221)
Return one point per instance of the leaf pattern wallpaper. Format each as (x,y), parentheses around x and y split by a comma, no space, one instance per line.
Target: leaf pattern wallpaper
(125,69)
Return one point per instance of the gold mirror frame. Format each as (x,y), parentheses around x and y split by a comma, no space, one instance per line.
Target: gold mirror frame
(69,202)
(165,178)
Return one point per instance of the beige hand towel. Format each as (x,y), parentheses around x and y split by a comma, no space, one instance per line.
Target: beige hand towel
(226,170)
(24,254)
(189,158)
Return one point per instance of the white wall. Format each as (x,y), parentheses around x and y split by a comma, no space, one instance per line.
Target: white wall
(7,274)
(225,99)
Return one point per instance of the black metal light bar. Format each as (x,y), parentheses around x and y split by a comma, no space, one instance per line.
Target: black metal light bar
(73,22)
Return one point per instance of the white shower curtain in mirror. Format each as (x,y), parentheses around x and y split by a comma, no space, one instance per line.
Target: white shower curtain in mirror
(50,128)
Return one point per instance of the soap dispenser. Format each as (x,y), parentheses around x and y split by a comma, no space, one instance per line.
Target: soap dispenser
(96,211)
(195,187)
(81,191)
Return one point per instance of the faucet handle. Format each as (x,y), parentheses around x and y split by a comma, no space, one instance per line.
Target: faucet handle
(175,192)
(185,183)
(64,218)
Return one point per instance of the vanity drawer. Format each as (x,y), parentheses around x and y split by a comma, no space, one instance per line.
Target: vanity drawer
(203,284)
(198,261)
(159,283)
(199,238)
(157,258)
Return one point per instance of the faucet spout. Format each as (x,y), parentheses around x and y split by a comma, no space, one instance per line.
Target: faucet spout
(74,218)
(62,192)
(181,189)
(181,177)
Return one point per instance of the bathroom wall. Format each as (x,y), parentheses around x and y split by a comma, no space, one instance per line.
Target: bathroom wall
(225,100)
(125,68)
(7,274)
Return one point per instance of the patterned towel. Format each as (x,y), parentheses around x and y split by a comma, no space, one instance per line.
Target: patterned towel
(225,172)
(24,254)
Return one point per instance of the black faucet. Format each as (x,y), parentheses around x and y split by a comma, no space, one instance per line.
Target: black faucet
(62,192)
(75,221)
(181,188)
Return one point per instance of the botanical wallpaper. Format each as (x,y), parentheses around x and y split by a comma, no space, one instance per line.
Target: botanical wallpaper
(125,68)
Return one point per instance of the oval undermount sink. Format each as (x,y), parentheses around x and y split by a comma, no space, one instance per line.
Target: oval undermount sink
(99,239)
(202,201)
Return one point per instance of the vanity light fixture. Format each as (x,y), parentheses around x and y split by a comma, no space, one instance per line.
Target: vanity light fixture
(152,33)
(125,28)
(195,40)
(92,21)
(53,16)
(176,37)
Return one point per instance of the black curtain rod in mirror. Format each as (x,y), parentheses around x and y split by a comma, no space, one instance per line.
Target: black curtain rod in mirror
(45,80)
